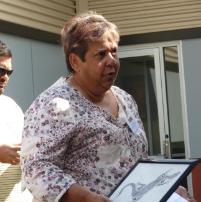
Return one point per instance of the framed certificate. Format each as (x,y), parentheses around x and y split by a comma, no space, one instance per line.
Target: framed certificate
(152,180)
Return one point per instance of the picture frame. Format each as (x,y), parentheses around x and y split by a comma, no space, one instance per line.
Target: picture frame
(152,180)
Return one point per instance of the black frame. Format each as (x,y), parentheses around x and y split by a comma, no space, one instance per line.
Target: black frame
(191,163)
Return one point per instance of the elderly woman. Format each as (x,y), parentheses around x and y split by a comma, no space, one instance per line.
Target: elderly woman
(82,135)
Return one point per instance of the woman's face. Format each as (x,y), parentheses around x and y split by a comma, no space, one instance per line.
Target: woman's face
(101,65)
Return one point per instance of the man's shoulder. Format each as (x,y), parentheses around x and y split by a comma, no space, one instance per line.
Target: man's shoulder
(7,100)
(5,97)
(9,104)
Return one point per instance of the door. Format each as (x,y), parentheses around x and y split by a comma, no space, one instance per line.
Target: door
(151,76)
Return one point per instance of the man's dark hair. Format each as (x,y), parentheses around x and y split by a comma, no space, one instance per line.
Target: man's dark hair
(4,50)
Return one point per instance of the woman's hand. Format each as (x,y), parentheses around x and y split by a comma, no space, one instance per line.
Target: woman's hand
(77,193)
(184,193)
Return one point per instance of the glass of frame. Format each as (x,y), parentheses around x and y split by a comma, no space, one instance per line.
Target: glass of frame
(152,180)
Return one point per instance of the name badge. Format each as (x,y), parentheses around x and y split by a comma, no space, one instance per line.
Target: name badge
(135,127)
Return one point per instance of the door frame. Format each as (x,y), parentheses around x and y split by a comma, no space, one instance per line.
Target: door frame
(156,49)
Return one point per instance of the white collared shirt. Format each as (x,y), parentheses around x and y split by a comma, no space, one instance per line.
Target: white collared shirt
(11,121)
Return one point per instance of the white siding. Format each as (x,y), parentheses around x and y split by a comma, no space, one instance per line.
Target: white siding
(46,15)
(144,16)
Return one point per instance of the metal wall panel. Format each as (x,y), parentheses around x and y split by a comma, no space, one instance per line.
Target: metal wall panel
(145,16)
(46,15)
(36,64)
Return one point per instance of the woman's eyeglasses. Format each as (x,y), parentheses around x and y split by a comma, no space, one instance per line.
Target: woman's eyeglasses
(5,71)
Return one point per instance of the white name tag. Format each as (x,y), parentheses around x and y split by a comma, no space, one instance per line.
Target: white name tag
(135,127)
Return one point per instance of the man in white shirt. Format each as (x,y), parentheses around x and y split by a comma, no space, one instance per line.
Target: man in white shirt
(11,126)
(11,115)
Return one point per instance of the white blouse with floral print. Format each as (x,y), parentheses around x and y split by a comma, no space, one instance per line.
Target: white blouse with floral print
(67,139)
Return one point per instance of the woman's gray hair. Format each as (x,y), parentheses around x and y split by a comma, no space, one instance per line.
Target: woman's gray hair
(82,29)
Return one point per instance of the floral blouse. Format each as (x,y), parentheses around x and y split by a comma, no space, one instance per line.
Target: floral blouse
(67,139)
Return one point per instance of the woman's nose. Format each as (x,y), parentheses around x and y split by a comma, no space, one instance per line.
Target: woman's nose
(111,59)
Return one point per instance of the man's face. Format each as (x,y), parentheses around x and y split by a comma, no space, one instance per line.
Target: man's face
(101,65)
(5,64)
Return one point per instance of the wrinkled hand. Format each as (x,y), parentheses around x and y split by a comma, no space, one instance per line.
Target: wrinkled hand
(184,193)
(10,154)
(77,193)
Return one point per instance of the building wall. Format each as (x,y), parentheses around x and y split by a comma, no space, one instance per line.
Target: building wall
(46,15)
(145,16)
(192,72)
(132,17)
(36,66)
